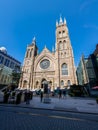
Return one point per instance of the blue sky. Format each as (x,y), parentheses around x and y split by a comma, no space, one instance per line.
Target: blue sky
(21,20)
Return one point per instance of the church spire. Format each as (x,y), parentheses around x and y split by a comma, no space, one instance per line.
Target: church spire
(45,46)
(60,21)
(56,23)
(64,21)
(34,41)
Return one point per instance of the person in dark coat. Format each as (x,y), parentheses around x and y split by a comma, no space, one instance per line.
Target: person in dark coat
(18,97)
(60,93)
(6,96)
(64,93)
(41,96)
(27,96)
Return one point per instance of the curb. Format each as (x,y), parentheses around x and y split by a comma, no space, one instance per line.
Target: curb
(38,108)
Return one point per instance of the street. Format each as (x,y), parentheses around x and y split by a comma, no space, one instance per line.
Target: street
(19,118)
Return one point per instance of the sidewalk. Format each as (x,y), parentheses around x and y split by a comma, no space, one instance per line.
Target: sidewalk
(70,104)
(85,105)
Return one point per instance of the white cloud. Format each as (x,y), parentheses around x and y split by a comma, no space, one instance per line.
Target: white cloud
(91,26)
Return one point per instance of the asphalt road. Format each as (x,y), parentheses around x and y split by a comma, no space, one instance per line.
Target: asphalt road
(16,118)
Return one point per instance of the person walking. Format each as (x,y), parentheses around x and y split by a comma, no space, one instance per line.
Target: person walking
(27,94)
(64,93)
(60,93)
(41,96)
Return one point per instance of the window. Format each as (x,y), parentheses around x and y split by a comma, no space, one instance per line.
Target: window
(31,52)
(6,62)
(12,65)
(64,43)
(60,34)
(1,59)
(68,82)
(44,64)
(27,53)
(64,33)
(60,45)
(64,69)
(61,54)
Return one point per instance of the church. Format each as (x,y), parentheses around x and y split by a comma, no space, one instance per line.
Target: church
(56,68)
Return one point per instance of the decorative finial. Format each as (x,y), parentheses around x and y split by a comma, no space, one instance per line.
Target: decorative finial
(34,40)
(45,47)
(61,21)
(56,23)
(64,21)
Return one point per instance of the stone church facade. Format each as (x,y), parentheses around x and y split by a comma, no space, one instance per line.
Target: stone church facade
(55,68)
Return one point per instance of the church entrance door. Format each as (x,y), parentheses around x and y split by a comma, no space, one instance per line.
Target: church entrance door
(44,85)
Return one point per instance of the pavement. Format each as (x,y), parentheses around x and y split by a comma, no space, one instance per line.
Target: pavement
(69,104)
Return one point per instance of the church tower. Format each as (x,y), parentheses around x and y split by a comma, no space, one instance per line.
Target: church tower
(65,74)
(56,68)
(26,80)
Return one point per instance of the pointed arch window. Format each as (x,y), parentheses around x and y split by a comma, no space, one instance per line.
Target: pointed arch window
(60,45)
(31,52)
(64,34)
(27,53)
(64,44)
(64,69)
(60,34)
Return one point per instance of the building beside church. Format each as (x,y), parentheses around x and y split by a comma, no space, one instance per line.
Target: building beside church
(7,65)
(55,68)
(87,70)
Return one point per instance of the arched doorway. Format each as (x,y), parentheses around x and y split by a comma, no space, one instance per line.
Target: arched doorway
(44,81)
(44,85)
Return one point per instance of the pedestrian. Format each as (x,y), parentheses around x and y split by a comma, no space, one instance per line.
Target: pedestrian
(6,97)
(31,94)
(18,97)
(27,94)
(64,93)
(41,96)
(60,93)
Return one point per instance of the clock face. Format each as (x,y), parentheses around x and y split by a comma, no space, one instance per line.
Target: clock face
(44,64)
